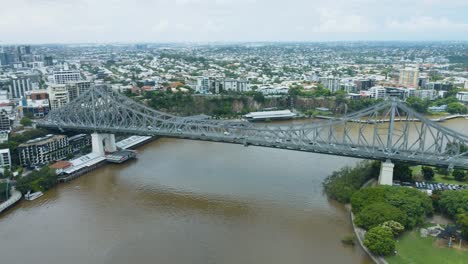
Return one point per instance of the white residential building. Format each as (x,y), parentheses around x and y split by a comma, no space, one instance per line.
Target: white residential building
(377,92)
(462,97)
(64,77)
(331,83)
(410,92)
(426,94)
(58,95)
(235,85)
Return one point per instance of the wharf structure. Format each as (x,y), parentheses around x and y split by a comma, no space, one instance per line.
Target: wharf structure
(69,170)
(270,115)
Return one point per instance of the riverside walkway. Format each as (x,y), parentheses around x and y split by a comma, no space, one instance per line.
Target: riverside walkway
(15,197)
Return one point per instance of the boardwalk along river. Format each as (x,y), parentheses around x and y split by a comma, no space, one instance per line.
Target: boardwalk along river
(186,201)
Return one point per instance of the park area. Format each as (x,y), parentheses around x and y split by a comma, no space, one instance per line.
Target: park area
(449,179)
(412,248)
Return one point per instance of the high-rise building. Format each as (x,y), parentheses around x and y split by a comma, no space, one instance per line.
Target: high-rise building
(331,83)
(23,83)
(409,77)
(4,120)
(48,61)
(8,58)
(75,89)
(206,84)
(58,95)
(5,158)
(364,84)
(64,77)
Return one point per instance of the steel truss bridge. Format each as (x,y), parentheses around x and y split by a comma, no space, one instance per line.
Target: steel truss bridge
(387,131)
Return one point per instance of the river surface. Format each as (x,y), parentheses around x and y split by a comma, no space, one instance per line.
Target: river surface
(187,201)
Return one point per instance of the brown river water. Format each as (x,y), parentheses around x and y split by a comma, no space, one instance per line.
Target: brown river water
(186,201)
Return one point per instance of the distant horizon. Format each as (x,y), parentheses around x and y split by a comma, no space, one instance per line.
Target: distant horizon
(229,42)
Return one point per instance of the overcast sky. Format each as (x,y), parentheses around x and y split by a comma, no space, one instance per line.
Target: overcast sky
(86,21)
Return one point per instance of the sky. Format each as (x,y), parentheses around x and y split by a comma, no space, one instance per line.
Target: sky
(104,21)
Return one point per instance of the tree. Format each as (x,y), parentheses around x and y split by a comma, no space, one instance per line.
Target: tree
(415,204)
(418,104)
(454,202)
(378,213)
(442,171)
(379,240)
(456,108)
(462,222)
(428,173)
(396,227)
(342,184)
(459,175)
(41,180)
(402,172)
(26,121)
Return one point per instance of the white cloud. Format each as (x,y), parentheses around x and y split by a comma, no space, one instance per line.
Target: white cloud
(36,21)
(333,21)
(426,23)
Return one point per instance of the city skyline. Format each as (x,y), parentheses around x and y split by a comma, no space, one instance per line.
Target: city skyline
(125,21)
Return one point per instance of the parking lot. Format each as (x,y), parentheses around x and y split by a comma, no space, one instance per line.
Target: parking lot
(431,186)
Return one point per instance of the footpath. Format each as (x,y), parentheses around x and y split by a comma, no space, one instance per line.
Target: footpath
(15,197)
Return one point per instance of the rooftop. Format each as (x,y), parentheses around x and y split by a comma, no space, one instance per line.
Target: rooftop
(42,140)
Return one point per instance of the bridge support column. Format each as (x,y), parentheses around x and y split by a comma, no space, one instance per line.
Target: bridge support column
(386,173)
(103,143)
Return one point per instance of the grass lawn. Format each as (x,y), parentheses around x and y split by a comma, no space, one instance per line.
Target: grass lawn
(412,248)
(437,177)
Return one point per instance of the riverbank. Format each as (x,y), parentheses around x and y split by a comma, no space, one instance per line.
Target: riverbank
(440,119)
(14,198)
(361,233)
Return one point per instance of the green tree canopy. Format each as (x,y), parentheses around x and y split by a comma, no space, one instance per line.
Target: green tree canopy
(415,204)
(418,104)
(342,184)
(379,240)
(41,180)
(462,222)
(25,121)
(428,173)
(456,108)
(378,213)
(459,175)
(454,202)
(402,172)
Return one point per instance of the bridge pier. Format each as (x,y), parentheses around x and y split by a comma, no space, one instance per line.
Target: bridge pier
(103,143)
(386,173)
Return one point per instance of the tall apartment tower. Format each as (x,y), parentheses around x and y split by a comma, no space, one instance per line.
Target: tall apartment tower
(22,83)
(409,77)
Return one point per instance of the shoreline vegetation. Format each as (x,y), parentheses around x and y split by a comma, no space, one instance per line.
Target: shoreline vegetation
(392,216)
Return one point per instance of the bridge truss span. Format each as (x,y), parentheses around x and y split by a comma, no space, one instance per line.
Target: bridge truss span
(389,130)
